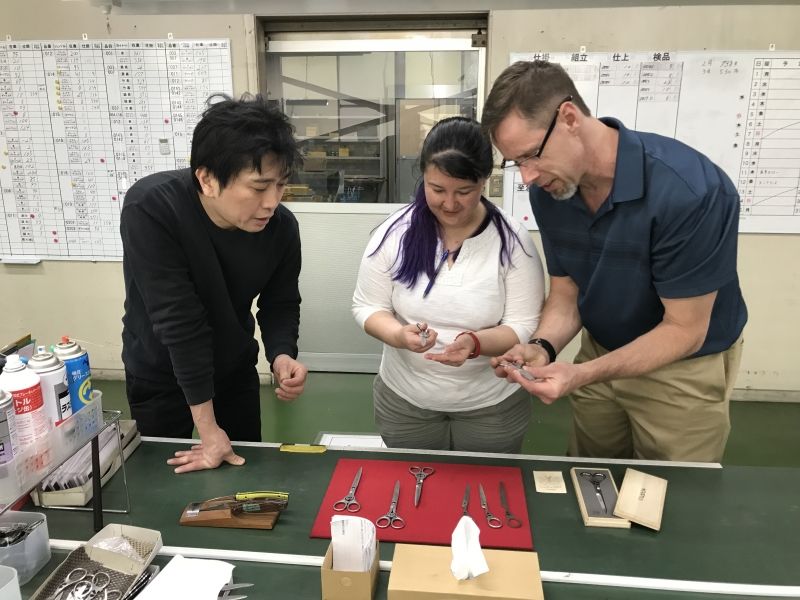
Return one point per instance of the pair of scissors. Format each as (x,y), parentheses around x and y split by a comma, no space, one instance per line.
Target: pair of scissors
(391,518)
(596,479)
(349,502)
(94,587)
(420,473)
(491,520)
(525,374)
(511,520)
(71,579)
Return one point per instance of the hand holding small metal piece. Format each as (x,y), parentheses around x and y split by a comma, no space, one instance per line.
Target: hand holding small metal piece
(491,520)
(420,473)
(349,502)
(511,520)
(391,518)
(596,479)
(424,334)
(518,368)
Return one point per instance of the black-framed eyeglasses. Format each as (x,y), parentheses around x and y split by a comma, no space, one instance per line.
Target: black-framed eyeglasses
(508,164)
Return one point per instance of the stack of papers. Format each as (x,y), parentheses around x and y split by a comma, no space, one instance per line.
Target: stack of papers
(353,543)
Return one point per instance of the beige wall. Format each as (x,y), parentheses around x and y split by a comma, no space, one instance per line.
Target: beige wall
(84,299)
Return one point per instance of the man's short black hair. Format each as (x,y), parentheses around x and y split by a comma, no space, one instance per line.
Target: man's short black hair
(234,135)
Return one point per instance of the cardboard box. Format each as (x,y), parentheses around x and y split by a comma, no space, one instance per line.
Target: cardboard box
(348,585)
(423,573)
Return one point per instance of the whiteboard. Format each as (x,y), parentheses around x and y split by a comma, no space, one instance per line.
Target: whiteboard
(741,109)
(80,122)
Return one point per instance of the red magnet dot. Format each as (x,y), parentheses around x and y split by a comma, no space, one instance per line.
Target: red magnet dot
(113,197)
(33,216)
(166,120)
(102,160)
(525,218)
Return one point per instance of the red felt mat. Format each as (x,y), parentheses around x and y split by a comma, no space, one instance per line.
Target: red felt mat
(439,510)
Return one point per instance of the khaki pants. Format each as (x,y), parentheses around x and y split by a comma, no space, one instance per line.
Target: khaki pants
(679,412)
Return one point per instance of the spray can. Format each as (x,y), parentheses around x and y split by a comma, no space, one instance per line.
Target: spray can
(24,386)
(79,376)
(55,387)
(8,427)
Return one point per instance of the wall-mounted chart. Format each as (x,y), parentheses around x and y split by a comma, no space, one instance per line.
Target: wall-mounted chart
(81,121)
(741,109)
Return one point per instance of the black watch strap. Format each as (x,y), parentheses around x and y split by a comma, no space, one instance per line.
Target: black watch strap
(548,347)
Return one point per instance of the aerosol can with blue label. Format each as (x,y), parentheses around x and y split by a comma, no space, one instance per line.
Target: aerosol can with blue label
(79,376)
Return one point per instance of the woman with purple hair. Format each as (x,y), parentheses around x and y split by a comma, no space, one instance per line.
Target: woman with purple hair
(446,283)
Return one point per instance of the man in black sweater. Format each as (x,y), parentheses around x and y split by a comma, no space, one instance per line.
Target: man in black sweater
(200,245)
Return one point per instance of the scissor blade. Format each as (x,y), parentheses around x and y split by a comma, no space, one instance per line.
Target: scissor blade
(601,501)
(482,494)
(503,498)
(356,480)
(417,493)
(465,501)
(396,493)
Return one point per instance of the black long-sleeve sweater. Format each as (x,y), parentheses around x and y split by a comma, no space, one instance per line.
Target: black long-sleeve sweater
(190,286)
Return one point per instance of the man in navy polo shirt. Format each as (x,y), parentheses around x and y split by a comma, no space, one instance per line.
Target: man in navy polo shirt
(640,236)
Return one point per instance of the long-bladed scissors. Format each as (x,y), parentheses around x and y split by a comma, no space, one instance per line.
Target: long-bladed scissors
(596,479)
(349,502)
(420,473)
(511,520)
(491,520)
(391,518)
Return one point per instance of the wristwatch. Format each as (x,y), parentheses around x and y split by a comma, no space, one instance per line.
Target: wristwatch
(547,346)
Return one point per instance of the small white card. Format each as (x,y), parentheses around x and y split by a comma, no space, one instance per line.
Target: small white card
(549,482)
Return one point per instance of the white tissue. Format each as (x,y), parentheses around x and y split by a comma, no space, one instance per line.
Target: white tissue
(468,560)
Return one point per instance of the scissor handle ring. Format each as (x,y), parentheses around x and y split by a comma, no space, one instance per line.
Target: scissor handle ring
(76,571)
(82,589)
(395,521)
(513,522)
(102,576)
(595,478)
(383,522)
(493,522)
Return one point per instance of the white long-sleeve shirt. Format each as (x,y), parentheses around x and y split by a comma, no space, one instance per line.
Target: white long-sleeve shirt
(476,293)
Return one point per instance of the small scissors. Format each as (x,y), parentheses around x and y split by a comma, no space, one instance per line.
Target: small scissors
(596,479)
(423,334)
(349,501)
(391,518)
(511,520)
(465,503)
(525,374)
(491,520)
(71,579)
(420,473)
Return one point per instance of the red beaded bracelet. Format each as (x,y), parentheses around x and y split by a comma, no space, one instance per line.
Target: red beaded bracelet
(477,351)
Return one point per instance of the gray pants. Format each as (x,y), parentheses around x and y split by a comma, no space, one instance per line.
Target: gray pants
(498,428)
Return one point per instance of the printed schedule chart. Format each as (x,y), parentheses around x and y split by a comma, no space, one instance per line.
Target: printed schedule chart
(81,121)
(741,109)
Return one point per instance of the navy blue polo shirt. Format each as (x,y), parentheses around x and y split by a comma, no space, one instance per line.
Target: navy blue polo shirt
(668,229)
